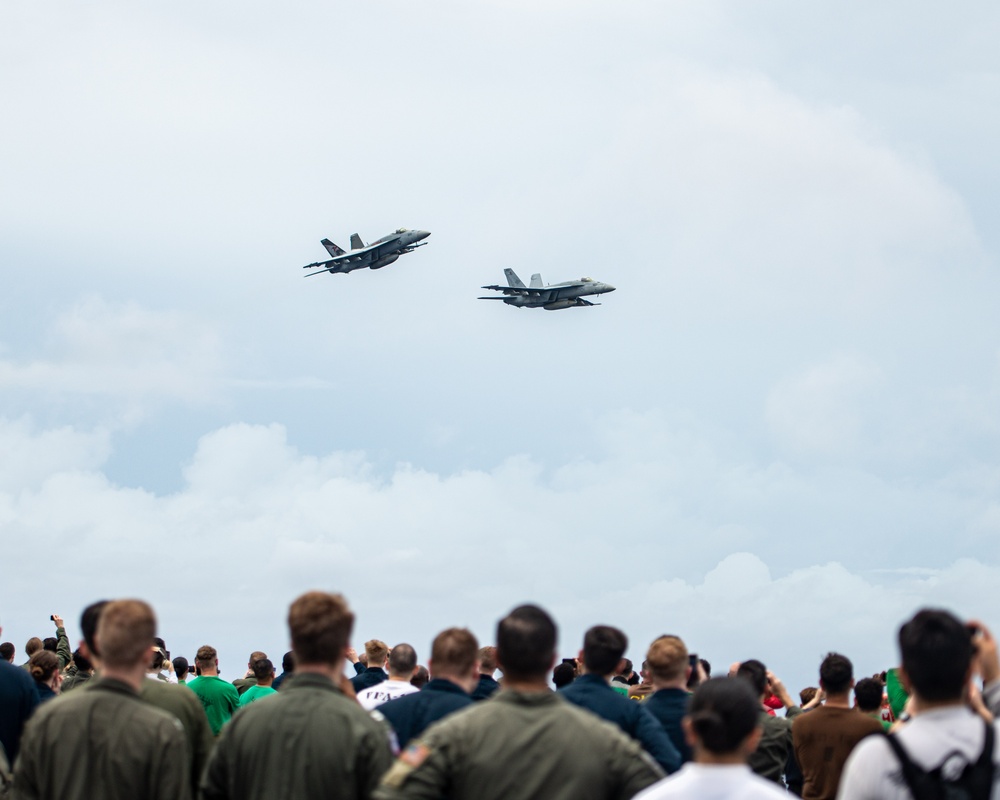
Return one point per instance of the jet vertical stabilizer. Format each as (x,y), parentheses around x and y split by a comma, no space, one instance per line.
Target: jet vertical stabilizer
(513,280)
(332,249)
(536,281)
(356,243)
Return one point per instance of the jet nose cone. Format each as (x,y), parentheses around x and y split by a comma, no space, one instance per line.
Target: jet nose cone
(421,235)
(608,287)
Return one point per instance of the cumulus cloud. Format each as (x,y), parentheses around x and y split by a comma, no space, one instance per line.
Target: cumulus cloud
(258,521)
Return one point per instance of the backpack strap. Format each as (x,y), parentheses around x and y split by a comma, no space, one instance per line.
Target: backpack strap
(981,773)
(913,775)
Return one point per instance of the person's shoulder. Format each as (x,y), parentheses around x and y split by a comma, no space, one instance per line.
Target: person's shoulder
(9,673)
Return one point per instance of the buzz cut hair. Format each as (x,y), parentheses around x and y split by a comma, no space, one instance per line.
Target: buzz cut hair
(454,651)
(667,659)
(125,633)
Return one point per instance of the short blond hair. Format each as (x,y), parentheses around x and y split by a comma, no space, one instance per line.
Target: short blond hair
(125,632)
(667,658)
(376,650)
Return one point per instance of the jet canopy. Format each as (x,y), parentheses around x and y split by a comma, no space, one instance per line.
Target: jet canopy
(402,230)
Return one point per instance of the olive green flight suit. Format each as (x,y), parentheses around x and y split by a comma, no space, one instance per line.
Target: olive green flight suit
(307,741)
(521,745)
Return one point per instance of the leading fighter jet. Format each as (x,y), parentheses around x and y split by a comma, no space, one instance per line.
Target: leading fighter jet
(551,297)
(376,255)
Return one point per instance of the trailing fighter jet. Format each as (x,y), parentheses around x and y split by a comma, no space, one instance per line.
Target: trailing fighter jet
(375,256)
(551,297)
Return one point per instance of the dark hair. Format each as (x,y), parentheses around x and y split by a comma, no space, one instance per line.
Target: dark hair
(755,673)
(157,660)
(420,677)
(936,650)
(836,673)
(723,712)
(263,669)
(50,643)
(563,675)
(526,642)
(807,694)
(180,666)
(868,694)
(81,662)
(402,659)
(206,656)
(707,667)
(288,662)
(7,651)
(88,625)
(603,647)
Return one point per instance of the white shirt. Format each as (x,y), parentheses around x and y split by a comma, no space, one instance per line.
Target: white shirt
(374,696)
(954,733)
(714,782)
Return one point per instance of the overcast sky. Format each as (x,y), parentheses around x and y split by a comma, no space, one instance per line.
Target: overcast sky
(778,437)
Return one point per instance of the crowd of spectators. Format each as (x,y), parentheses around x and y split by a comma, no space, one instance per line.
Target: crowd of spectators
(119,718)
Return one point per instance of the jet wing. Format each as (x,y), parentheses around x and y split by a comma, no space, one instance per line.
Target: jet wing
(353,259)
(518,290)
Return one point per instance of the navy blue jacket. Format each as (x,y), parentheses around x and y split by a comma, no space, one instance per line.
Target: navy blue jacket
(369,677)
(412,713)
(669,707)
(593,693)
(485,689)
(18,698)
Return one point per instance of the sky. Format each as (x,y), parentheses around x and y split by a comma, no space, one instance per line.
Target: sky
(779,437)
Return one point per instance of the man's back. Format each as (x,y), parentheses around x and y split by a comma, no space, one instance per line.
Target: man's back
(383,692)
(593,693)
(823,739)
(952,734)
(669,706)
(307,741)
(179,702)
(103,743)
(521,745)
(412,714)
(769,759)
(219,699)
(18,699)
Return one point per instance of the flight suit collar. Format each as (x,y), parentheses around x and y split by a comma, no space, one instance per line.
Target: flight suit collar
(517,698)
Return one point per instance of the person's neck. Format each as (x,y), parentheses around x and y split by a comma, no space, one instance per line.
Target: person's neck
(606,678)
(133,676)
(921,705)
(703,756)
(678,683)
(209,673)
(331,671)
(526,685)
(838,700)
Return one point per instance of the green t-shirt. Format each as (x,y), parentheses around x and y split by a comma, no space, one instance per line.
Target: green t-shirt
(255,693)
(219,699)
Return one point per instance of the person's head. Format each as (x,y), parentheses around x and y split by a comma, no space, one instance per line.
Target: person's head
(81,662)
(42,665)
(454,656)
(207,660)
(263,671)
(125,633)
(7,651)
(563,674)
(706,667)
(868,695)
(320,624)
(667,661)
(288,662)
(180,667)
(722,719)
(936,651)
(402,662)
(255,656)
(487,659)
(603,647)
(32,646)
(88,626)
(836,674)
(158,656)
(807,694)
(376,651)
(50,643)
(421,677)
(755,673)
(526,644)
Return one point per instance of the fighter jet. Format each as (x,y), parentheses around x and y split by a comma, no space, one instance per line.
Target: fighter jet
(551,297)
(376,255)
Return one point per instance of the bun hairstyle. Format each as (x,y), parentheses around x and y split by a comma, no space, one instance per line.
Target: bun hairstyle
(43,665)
(723,713)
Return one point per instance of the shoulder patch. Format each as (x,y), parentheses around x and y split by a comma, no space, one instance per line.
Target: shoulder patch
(415,754)
(411,758)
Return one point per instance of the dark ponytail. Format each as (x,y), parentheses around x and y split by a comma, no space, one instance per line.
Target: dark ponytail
(723,713)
